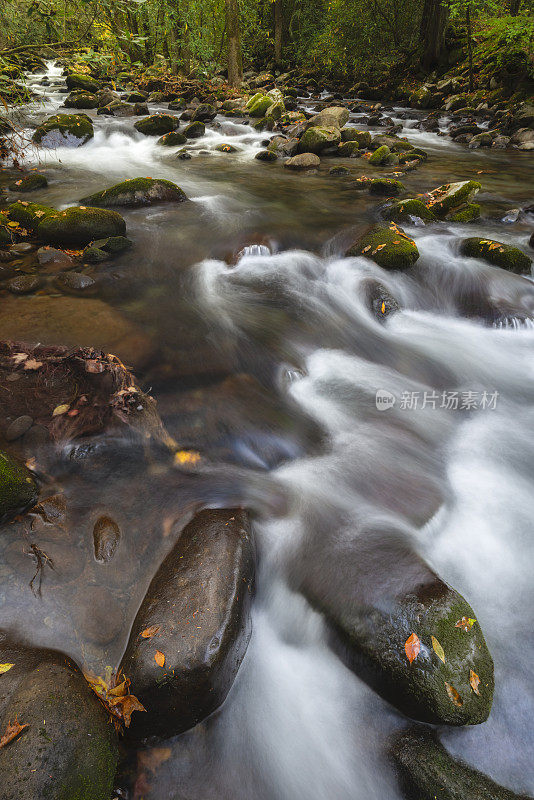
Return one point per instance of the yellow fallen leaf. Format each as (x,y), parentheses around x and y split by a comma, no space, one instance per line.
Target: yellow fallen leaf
(5,668)
(474,681)
(62,409)
(159,658)
(186,457)
(31,363)
(438,649)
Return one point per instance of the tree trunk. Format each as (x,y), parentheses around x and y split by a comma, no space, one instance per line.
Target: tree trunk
(278,32)
(515,5)
(235,60)
(469,45)
(433,25)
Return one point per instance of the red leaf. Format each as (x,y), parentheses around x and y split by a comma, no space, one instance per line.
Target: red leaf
(412,647)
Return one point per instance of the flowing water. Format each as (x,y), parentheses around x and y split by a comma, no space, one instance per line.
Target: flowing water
(249,280)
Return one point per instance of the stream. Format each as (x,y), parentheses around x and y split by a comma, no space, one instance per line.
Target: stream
(265,357)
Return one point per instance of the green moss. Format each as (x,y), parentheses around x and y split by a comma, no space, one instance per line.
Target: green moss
(64,129)
(259,105)
(349,149)
(6,237)
(386,186)
(29,215)
(79,81)
(28,183)
(468,213)
(316,139)
(18,489)
(452,195)
(227,148)
(412,207)
(496,253)
(136,192)
(379,155)
(156,124)
(81,100)
(78,226)
(195,130)
(397,250)
(172,139)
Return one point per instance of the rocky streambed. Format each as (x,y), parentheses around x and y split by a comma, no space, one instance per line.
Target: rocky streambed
(265,469)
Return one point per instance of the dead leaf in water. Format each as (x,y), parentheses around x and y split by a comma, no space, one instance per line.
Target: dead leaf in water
(153,758)
(159,658)
(148,633)
(474,681)
(453,695)
(12,731)
(412,647)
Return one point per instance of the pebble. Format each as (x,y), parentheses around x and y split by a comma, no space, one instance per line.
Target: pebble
(24,284)
(18,427)
(57,258)
(106,537)
(75,282)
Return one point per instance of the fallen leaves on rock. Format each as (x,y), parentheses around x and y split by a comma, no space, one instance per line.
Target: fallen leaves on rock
(12,731)
(453,695)
(438,649)
(474,681)
(412,647)
(186,457)
(466,623)
(115,696)
(159,658)
(5,668)
(61,409)
(148,633)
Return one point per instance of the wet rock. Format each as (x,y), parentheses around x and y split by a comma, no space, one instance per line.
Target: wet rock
(389,247)
(379,301)
(29,215)
(333,116)
(18,489)
(24,284)
(195,130)
(386,186)
(303,161)
(469,212)
(69,749)
(172,139)
(349,149)
(315,139)
(380,155)
(408,210)
(54,259)
(76,283)
(118,109)
(354,135)
(22,248)
(113,245)
(137,192)
(283,146)
(339,171)
(200,599)
(383,594)
(481,140)
(259,104)
(77,226)
(81,81)
(64,130)
(97,614)
(136,97)
(106,537)
(497,253)
(452,196)
(204,112)
(266,155)
(184,155)
(226,148)
(94,255)
(427,771)
(81,100)
(18,428)
(29,183)
(157,124)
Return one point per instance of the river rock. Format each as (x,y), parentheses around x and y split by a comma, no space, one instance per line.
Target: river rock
(380,302)
(204,112)
(259,104)
(53,259)
(333,116)
(497,253)
(315,139)
(24,284)
(106,537)
(226,148)
(390,247)
(427,771)
(451,196)
(18,428)
(283,146)
(18,489)
(172,139)
(409,210)
(195,130)
(64,130)
(303,161)
(81,100)
(137,192)
(349,149)
(69,749)
(385,186)
(381,595)
(199,599)
(29,183)
(266,155)
(78,225)
(380,155)
(29,215)
(157,124)
(76,283)
(81,81)
(113,245)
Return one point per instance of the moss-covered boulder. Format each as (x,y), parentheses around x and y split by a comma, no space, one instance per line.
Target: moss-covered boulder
(77,226)
(316,139)
(349,149)
(64,130)
(69,749)
(18,490)
(469,212)
(205,112)
(29,215)
(195,130)
(407,210)
(157,124)
(266,155)
(29,183)
(79,81)
(427,772)
(6,236)
(386,186)
(390,247)
(354,135)
(380,155)
(496,253)
(172,139)
(81,100)
(259,104)
(137,192)
(113,245)
(452,196)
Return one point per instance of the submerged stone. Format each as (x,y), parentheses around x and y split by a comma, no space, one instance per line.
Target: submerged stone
(77,226)
(406,210)
(29,183)
(172,139)
(137,192)
(195,130)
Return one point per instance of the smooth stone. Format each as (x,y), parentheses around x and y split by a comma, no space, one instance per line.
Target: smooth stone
(75,282)
(18,428)
(106,537)
(22,247)
(54,258)
(303,161)
(24,284)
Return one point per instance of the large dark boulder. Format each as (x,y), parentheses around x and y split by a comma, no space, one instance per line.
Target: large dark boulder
(199,599)
(379,597)
(80,81)
(77,226)
(427,772)
(137,192)
(390,247)
(64,130)
(157,124)
(69,749)
(498,254)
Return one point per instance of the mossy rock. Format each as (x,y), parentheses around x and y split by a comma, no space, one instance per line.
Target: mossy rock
(260,106)
(172,139)
(18,489)
(468,213)
(266,155)
(29,183)
(339,171)
(227,148)
(195,130)
(354,135)
(6,237)
(427,771)
(404,210)
(157,124)
(113,244)
(497,254)
(77,226)
(452,195)
(380,155)
(81,100)
(64,130)
(317,139)
(349,149)
(29,215)
(80,81)
(137,192)
(386,186)
(390,248)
